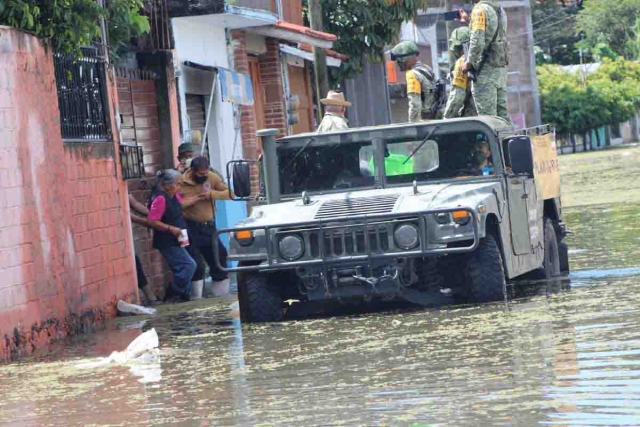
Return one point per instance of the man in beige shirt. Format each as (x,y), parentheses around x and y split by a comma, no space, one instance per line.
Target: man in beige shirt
(200,181)
(334,108)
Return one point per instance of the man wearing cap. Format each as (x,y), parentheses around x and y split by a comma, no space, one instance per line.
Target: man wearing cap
(421,82)
(334,108)
(460,102)
(186,151)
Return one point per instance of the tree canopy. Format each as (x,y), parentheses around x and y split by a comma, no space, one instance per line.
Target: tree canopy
(612,23)
(554,31)
(71,24)
(575,105)
(364,28)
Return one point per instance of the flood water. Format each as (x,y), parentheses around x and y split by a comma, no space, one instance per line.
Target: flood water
(549,356)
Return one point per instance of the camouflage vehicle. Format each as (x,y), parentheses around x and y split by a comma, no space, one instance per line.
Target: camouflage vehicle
(398,211)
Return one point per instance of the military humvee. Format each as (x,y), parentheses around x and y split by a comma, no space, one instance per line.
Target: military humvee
(398,211)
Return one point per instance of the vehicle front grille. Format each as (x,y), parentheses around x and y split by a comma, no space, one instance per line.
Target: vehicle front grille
(357,206)
(351,241)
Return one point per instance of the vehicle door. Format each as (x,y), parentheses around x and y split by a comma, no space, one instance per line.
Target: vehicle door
(519,193)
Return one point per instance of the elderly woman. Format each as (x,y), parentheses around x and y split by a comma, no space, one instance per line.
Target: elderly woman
(165,217)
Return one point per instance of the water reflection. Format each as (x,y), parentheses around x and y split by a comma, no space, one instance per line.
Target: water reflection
(554,354)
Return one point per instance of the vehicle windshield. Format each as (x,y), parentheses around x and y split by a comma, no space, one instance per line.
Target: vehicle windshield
(443,156)
(347,166)
(324,167)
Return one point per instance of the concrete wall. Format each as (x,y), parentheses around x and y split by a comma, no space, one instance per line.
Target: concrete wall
(65,241)
(207,45)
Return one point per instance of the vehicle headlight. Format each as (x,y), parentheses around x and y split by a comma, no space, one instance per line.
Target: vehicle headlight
(291,247)
(406,236)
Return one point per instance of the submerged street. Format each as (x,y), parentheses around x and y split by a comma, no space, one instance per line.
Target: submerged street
(552,355)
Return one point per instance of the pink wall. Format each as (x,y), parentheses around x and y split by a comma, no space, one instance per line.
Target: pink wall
(66,252)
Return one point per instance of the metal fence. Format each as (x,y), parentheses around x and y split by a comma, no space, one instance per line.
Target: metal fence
(132,160)
(82,95)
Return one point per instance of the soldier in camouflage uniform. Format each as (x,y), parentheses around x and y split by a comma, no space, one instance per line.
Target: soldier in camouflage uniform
(488,57)
(420,81)
(334,108)
(460,102)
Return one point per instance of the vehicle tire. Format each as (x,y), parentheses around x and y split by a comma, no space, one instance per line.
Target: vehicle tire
(551,263)
(430,274)
(483,273)
(258,301)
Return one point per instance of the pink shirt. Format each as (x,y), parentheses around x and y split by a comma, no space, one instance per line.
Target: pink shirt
(159,206)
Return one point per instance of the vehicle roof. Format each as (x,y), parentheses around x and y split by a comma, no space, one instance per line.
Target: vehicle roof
(496,123)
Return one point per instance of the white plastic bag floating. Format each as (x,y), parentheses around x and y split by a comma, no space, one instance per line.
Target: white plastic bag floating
(142,356)
(125,307)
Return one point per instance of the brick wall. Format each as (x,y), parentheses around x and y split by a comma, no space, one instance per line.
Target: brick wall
(271,76)
(66,249)
(250,144)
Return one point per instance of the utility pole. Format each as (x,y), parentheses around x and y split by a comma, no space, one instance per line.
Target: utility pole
(319,56)
(449,26)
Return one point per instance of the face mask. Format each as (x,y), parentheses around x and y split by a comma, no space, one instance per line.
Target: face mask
(187,163)
(200,179)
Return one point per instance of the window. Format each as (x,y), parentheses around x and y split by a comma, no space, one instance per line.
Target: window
(82,97)
(443,157)
(325,167)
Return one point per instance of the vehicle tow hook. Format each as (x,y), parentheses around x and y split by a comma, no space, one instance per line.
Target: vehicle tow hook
(373,281)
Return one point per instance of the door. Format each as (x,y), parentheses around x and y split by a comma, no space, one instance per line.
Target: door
(300,84)
(519,214)
(258,92)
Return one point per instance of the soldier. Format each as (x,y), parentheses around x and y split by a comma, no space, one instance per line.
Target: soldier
(460,102)
(488,57)
(421,82)
(335,107)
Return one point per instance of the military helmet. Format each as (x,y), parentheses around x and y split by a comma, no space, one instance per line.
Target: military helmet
(459,36)
(403,51)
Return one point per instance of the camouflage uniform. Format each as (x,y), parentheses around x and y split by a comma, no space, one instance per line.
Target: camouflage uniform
(490,88)
(420,83)
(460,102)
(332,122)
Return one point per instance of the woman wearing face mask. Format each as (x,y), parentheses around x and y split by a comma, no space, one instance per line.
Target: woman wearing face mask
(165,217)
(200,181)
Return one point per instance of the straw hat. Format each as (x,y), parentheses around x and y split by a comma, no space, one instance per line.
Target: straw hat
(335,98)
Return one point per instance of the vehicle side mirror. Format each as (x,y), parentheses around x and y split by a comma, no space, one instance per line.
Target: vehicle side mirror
(241,178)
(521,155)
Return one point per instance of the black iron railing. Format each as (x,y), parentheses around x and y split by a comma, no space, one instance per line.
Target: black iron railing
(132,160)
(82,96)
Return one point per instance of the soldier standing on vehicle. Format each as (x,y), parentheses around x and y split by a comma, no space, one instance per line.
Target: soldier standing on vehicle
(488,57)
(421,82)
(460,102)
(334,108)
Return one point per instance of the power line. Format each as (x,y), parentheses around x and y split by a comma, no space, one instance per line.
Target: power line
(541,29)
(546,18)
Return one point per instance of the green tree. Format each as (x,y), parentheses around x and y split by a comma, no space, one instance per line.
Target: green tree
(364,28)
(609,96)
(71,24)
(614,23)
(554,35)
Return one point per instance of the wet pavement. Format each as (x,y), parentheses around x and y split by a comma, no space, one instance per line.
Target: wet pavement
(552,355)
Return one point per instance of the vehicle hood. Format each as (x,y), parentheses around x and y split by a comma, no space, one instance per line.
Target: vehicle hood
(401,200)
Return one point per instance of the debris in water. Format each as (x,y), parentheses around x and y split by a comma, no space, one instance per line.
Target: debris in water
(133,309)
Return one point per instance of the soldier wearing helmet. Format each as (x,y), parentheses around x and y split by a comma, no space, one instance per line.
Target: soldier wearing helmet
(488,57)
(460,102)
(421,82)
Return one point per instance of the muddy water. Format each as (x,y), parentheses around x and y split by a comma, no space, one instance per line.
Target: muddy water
(553,356)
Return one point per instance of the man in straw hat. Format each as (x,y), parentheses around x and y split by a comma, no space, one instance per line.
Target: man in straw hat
(334,108)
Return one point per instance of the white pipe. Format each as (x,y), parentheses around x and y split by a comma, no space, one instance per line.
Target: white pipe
(206,123)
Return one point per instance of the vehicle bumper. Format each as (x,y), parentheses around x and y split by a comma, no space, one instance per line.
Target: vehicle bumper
(367,226)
